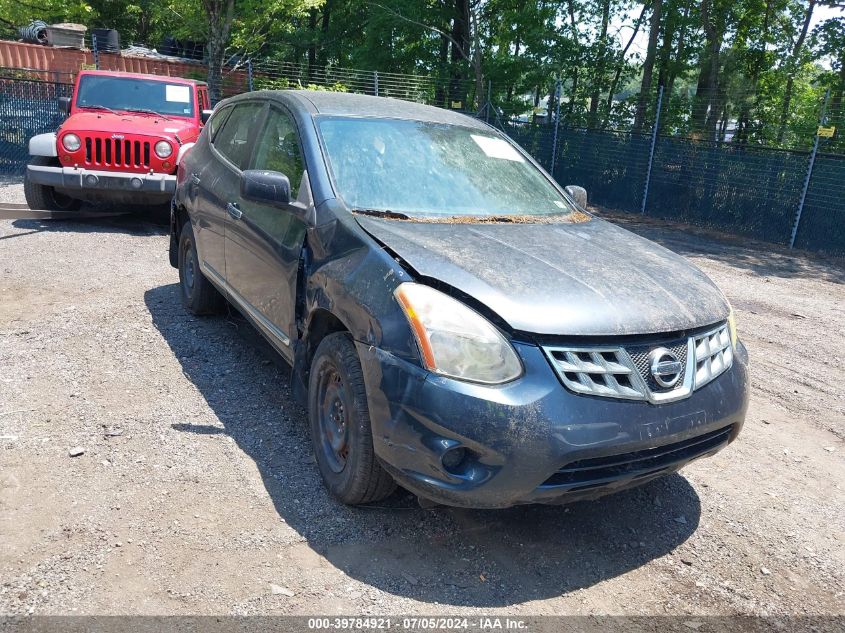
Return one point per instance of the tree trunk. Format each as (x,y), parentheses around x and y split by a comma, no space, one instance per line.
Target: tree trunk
(621,65)
(324,30)
(794,63)
(220,14)
(443,57)
(758,65)
(706,96)
(570,106)
(648,67)
(460,48)
(312,45)
(672,69)
(517,46)
(600,66)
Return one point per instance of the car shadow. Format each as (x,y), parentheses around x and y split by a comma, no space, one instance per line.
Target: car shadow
(130,220)
(445,555)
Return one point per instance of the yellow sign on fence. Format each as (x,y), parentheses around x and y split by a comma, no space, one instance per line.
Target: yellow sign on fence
(826,132)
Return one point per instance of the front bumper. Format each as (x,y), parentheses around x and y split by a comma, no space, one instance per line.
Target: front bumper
(532,440)
(88,179)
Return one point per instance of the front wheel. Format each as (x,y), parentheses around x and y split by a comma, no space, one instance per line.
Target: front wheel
(198,295)
(43,197)
(340,424)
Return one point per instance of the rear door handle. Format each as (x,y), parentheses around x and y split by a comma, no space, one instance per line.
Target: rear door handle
(234,211)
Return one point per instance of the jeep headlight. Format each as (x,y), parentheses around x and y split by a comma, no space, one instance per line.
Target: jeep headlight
(163,149)
(455,340)
(71,142)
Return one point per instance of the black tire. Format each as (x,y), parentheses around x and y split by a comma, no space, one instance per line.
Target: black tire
(198,295)
(340,425)
(45,198)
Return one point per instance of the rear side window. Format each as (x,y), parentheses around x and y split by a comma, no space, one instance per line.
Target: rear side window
(232,140)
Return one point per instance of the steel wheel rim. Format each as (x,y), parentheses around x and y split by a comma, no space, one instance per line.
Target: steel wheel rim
(333,420)
(189,272)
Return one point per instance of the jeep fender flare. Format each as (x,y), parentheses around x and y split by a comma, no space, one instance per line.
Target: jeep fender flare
(43,145)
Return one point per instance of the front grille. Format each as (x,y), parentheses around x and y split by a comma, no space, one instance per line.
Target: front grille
(625,371)
(640,356)
(111,152)
(598,471)
(602,372)
(713,355)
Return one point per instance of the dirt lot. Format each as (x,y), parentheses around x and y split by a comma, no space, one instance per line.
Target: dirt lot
(197,494)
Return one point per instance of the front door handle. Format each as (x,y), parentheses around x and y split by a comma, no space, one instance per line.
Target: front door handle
(195,180)
(234,211)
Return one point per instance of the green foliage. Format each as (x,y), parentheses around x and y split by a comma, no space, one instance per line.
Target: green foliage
(733,70)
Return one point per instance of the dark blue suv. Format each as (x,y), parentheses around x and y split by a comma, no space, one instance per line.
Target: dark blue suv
(457,323)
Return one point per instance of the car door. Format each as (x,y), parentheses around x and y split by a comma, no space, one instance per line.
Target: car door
(263,243)
(219,181)
(209,218)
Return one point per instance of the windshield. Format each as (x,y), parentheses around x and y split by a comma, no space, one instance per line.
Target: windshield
(428,170)
(126,93)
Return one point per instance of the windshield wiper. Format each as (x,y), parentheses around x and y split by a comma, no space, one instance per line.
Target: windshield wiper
(146,111)
(99,107)
(382,213)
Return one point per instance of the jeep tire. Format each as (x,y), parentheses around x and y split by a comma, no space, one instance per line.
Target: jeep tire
(43,197)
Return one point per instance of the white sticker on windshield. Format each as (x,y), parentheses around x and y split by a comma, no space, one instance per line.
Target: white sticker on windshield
(559,204)
(179,94)
(497,148)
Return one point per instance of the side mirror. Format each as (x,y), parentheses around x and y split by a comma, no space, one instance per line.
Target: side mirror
(205,115)
(64,105)
(578,194)
(267,187)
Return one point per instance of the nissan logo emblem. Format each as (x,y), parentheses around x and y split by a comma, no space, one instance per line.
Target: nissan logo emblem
(665,367)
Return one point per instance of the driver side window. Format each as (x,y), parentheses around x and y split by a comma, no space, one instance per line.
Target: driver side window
(279,148)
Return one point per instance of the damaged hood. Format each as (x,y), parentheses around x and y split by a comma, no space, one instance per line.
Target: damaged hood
(586,279)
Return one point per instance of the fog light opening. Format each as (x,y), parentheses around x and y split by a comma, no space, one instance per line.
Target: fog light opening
(136,183)
(454,458)
(91,180)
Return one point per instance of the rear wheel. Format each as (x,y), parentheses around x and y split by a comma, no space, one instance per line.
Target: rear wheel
(198,295)
(43,197)
(340,425)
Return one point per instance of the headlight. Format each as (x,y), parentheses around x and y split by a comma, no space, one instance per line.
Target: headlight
(71,142)
(454,340)
(163,149)
(732,326)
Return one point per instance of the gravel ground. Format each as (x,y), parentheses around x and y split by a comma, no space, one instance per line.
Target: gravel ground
(196,492)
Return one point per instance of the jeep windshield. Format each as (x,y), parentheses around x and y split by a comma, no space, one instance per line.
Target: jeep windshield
(402,169)
(134,94)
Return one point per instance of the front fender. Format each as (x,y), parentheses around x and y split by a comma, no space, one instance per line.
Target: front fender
(43,145)
(182,151)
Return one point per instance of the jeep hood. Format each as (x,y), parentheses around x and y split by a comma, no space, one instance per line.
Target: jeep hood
(144,124)
(586,279)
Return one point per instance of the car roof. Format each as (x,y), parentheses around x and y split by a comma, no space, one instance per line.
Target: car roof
(349,104)
(167,78)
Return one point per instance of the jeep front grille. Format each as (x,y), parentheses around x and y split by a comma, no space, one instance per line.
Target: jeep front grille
(625,371)
(110,152)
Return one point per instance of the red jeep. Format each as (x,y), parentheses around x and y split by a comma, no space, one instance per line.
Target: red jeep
(121,143)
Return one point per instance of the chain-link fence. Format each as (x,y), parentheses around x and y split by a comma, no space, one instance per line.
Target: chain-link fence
(27,108)
(722,177)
